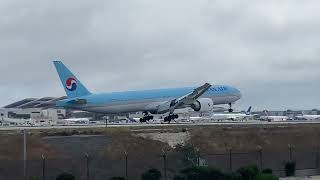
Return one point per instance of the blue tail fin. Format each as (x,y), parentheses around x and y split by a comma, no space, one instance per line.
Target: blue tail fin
(249,111)
(73,87)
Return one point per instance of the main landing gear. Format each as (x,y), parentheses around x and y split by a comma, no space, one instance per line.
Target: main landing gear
(230,108)
(146,117)
(171,117)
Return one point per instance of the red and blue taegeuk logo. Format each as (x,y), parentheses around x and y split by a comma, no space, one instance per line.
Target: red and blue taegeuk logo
(71,84)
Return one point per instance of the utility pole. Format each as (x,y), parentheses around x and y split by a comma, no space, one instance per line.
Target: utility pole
(260,157)
(290,152)
(43,167)
(126,166)
(87,165)
(230,159)
(198,157)
(25,154)
(317,157)
(106,119)
(165,164)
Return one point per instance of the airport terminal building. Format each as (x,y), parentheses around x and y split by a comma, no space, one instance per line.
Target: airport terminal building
(43,111)
(32,110)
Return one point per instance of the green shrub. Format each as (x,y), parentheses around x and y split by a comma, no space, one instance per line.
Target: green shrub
(188,154)
(204,173)
(151,174)
(266,177)
(178,178)
(267,171)
(75,132)
(65,176)
(117,178)
(34,178)
(248,172)
(232,176)
(290,168)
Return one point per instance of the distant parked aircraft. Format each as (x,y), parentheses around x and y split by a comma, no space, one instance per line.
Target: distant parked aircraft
(308,117)
(232,116)
(266,117)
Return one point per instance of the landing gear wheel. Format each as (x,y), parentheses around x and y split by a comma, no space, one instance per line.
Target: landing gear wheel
(142,120)
(166,119)
(146,117)
(170,118)
(230,108)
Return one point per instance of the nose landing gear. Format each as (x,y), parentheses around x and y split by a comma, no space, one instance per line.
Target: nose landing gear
(230,108)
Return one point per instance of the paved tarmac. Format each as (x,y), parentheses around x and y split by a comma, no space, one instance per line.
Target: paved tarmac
(81,126)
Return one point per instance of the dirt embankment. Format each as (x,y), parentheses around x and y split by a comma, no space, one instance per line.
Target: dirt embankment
(244,138)
(120,140)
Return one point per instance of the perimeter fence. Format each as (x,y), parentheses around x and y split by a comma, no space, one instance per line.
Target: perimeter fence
(132,165)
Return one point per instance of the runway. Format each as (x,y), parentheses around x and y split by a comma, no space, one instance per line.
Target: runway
(282,123)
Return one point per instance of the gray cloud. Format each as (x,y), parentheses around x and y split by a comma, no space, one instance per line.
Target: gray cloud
(268,49)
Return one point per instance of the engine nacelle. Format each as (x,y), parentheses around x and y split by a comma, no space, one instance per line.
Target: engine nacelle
(203,105)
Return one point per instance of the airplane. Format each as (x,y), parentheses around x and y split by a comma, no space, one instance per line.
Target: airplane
(156,101)
(268,118)
(77,120)
(232,116)
(308,117)
(227,116)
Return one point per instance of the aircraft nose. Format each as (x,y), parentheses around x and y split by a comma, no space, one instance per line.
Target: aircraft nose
(238,93)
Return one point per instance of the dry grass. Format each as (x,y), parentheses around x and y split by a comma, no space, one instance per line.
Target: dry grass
(11,147)
(219,139)
(208,139)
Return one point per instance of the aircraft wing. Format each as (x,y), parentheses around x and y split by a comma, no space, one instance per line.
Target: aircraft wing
(189,98)
(183,101)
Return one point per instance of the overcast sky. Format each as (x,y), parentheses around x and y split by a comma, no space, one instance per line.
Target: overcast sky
(270,50)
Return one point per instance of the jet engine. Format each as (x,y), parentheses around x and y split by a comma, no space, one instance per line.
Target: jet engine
(202,105)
